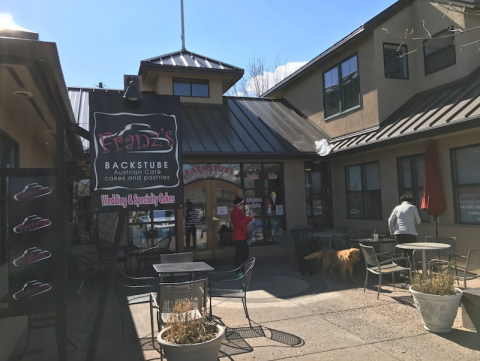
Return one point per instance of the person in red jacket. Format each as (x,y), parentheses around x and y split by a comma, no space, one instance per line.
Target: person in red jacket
(239,224)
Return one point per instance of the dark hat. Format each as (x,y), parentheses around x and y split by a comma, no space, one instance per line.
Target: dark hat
(238,201)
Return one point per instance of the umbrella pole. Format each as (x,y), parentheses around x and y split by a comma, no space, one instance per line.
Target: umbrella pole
(435,223)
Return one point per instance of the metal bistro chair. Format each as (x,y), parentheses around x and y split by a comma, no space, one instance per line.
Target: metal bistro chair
(285,240)
(343,229)
(132,291)
(171,294)
(176,258)
(386,267)
(238,286)
(147,258)
(340,243)
(461,273)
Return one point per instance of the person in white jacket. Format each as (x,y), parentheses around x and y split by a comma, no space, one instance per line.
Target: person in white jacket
(403,220)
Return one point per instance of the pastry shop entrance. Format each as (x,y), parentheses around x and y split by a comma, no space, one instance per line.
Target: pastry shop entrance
(207,230)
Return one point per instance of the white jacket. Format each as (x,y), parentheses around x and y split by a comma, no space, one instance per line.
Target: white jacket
(403,219)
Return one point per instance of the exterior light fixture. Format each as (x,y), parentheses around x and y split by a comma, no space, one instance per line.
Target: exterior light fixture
(23,93)
(133,86)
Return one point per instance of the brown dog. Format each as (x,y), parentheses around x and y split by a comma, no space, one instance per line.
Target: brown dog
(344,260)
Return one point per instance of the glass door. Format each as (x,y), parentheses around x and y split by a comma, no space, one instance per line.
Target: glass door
(207,225)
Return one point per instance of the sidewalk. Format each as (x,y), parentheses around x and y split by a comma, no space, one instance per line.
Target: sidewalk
(312,318)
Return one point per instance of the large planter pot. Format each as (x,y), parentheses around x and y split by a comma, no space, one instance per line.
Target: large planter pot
(438,312)
(205,351)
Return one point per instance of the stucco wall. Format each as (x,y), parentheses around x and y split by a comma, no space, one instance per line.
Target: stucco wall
(467,235)
(165,86)
(306,93)
(295,203)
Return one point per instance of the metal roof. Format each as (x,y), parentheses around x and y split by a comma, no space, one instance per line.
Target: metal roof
(238,127)
(354,35)
(187,59)
(447,108)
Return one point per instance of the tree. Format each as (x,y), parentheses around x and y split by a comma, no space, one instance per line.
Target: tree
(259,77)
(446,7)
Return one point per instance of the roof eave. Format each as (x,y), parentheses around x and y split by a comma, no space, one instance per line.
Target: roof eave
(357,34)
(459,125)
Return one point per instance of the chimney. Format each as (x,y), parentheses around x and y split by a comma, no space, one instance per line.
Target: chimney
(100,85)
(9,29)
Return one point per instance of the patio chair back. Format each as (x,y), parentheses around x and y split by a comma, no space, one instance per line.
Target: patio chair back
(170,294)
(369,255)
(176,257)
(147,259)
(164,243)
(306,226)
(192,292)
(283,238)
(342,229)
(473,261)
(340,243)
(446,253)
(248,270)
(130,290)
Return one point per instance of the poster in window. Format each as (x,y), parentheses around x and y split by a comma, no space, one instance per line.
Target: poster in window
(135,152)
(469,204)
(33,242)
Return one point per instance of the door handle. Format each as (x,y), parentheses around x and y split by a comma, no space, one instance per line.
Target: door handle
(214,218)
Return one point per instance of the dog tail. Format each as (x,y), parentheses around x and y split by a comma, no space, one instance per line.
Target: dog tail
(314,255)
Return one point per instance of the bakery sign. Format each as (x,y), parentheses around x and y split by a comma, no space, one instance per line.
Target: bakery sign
(227,172)
(135,152)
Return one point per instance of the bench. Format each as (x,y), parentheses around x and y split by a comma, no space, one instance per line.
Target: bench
(471,309)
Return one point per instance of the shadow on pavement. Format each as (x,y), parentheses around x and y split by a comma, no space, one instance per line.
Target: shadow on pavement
(467,339)
(235,339)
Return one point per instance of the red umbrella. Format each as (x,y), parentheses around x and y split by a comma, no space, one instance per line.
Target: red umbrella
(433,200)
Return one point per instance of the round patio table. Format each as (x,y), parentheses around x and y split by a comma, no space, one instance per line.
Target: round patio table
(373,243)
(424,247)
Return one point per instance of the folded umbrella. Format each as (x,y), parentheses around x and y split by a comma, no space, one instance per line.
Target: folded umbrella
(433,200)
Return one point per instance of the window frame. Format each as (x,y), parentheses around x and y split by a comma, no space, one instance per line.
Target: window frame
(406,61)
(416,188)
(425,55)
(191,82)
(456,186)
(152,223)
(325,220)
(339,66)
(363,191)
(4,196)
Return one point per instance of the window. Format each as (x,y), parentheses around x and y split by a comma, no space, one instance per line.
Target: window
(319,199)
(411,172)
(341,87)
(147,228)
(191,87)
(439,51)
(264,196)
(364,199)
(396,61)
(466,183)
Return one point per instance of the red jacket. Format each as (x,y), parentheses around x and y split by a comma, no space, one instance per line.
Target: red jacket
(239,223)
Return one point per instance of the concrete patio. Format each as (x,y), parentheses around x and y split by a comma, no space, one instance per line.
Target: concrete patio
(294,318)
(306,318)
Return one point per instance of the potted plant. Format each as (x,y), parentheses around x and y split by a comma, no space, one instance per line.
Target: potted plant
(437,300)
(187,337)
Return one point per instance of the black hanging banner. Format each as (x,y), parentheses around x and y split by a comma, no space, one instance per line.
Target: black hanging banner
(33,242)
(135,152)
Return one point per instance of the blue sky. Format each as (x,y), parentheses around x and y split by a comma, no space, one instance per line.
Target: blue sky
(100,41)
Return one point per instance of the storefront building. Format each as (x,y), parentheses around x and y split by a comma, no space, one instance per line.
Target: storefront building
(231,146)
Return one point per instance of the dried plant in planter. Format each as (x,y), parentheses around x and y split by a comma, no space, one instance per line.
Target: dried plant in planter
(186,328)
(441,284)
